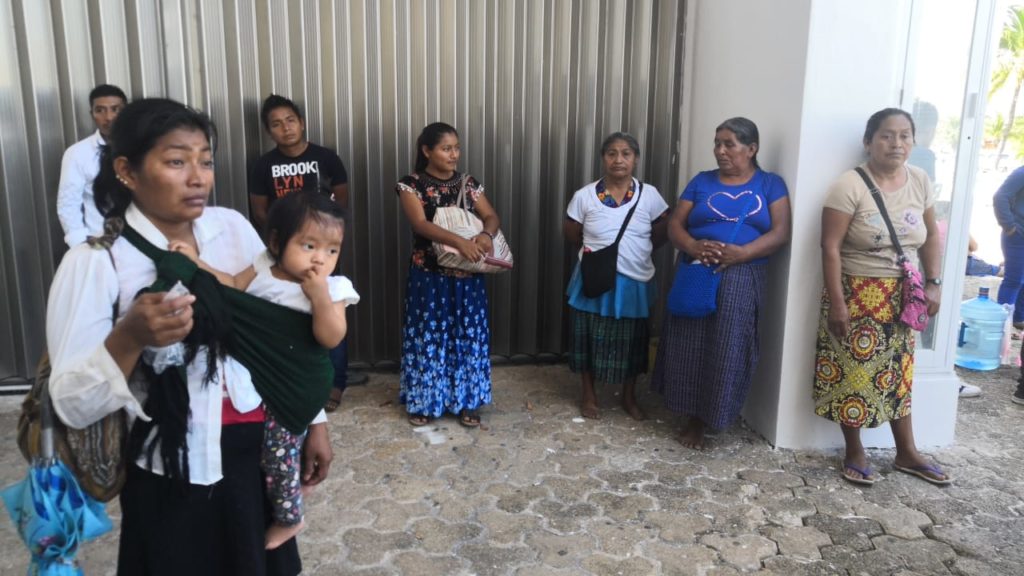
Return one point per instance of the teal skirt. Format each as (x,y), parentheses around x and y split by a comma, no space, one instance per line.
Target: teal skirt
(629,299)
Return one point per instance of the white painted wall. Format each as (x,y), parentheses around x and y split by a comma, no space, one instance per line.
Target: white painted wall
(809,73)
(748,60)
(854,67)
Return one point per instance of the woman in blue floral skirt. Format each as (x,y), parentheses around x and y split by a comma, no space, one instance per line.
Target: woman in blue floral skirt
(446,364)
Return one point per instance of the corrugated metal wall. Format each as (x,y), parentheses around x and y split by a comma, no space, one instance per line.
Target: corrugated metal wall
(532,85)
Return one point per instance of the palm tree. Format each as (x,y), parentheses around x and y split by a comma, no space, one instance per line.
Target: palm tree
(1010,68)
(994,127)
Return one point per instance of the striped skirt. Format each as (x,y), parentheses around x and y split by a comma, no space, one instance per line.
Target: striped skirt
(704,365)
(864,380)
(612,349)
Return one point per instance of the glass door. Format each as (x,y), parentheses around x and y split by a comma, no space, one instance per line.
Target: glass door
(944,87)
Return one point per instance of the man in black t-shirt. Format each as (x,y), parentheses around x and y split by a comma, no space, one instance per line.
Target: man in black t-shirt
(294,164)
(297,164)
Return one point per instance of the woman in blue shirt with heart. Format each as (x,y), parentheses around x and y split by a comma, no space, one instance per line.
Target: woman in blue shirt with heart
(704,365)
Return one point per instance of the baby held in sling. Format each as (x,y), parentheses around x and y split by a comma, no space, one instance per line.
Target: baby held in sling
(304,236)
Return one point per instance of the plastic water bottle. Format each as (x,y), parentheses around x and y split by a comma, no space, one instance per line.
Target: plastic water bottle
(980,342)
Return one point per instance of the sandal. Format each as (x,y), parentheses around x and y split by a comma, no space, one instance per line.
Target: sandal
(334,401)
(926,472)
(867,475)
(469,418)
(419,419)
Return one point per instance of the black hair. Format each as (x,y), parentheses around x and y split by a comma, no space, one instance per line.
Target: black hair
(273,102)
(104,90)
(623,136)
(429,137)
(746,132)
(134,133)
(289,214)
(875,122)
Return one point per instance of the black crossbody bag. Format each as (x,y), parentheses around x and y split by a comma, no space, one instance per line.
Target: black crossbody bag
(599,267)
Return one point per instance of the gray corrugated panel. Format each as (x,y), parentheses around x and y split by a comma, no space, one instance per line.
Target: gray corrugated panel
(390,160)
(554,189)
(317,91)
(20,340)
(108,24)
(44,138)
(216,98)
(241,43)
(74,66)
(532,85)
(146,57)
(371,183)
(11,362)
(662,157)
(277,47)
(12,357)
(37,62)
(168,16)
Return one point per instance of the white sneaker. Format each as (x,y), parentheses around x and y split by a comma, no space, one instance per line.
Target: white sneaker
(969,391)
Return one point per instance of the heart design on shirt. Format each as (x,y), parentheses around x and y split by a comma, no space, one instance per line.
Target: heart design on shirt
(722,202)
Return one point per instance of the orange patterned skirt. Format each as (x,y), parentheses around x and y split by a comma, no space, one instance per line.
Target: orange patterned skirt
(864,380)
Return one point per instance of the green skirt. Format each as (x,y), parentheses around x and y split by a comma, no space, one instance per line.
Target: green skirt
(613,350)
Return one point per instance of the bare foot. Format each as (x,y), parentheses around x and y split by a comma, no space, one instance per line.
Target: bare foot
(693,435)
(278,534)
(629,400)
(633,410)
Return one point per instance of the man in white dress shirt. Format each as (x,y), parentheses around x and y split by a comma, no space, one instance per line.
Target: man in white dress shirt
(76,206)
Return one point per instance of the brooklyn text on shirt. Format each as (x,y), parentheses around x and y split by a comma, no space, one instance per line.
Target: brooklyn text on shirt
(291,177)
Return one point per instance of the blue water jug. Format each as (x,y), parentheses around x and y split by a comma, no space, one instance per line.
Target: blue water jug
(980,343)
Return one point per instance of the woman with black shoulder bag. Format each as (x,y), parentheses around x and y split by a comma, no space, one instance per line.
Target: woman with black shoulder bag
(617,222)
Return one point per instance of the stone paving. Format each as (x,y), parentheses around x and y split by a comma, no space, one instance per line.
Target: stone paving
(537,492)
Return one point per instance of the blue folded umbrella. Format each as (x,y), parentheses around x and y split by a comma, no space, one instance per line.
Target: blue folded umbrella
(51,512)
(54,517)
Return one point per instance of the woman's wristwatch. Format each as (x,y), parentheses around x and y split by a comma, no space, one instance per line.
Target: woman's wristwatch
(488,234)
(935,281)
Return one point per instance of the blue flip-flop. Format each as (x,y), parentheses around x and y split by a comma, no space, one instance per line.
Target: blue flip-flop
(866,478)
(919,471)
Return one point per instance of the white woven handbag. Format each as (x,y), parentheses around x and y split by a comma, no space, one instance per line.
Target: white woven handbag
(459,220)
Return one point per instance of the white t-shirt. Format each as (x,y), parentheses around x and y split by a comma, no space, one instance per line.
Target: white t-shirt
(290,294)
(601,225)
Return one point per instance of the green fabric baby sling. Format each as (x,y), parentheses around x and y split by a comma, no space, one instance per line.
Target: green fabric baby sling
(291,371)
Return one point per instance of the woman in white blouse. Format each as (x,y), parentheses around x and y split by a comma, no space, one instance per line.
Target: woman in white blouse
(205,514)
(610,330)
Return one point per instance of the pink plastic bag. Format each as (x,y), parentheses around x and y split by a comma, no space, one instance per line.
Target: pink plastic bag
(915,303)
